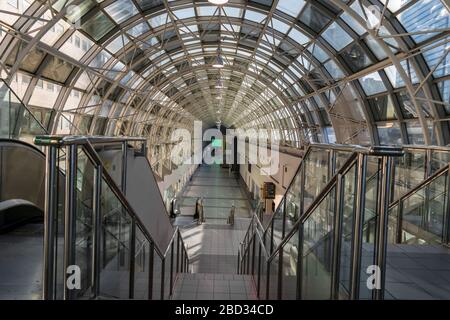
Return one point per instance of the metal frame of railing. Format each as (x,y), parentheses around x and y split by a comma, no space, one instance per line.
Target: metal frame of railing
(359,157)
(71,145)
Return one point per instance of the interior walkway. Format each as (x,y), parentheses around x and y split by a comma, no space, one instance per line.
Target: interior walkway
(213,245)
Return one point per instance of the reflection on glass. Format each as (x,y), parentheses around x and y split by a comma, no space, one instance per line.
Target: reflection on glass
(116,225)
(317,249)
(348,212)
(409,171)
(316,174)
(84,221)
(141,267)
(289,272)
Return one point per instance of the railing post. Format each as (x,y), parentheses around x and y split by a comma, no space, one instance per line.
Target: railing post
(358,226)
(132,257)
(50,217)
(150,270)
(382,236)
(97,230)
(70,215)
(124,167)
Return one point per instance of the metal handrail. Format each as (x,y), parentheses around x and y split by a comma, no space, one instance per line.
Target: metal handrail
(65,140)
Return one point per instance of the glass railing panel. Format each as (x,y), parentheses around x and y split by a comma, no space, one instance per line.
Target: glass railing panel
(257,261)
(84,221)
(317,250)
(16,121)
(273,277)
(293,202)
(341,158)
(423,213)
(346,233)
(417,262)
(167,272)
(289,272)
(115,246)
(369,224)
(316,165)
(263,278)
(438,160)
(409,171)
(59,233)
(278,224)
(141,265)
(157,276)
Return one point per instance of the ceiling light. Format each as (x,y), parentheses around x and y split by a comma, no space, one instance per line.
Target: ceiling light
(218,2)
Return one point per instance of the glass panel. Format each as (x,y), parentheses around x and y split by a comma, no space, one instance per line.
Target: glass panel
(423,213)
(16,121)
(439,159)
(409,171)
(273,278)
(317,248)
(98,26)
(316,174)
(157,273)
(278,223)
(289,272)
(115,245)
(167,268)
(418,263)
(293,201)
(369,224)
(141,267)
(263,278)
(84,221)
(348,212)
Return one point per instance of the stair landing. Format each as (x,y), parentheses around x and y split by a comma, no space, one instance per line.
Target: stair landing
(208,286)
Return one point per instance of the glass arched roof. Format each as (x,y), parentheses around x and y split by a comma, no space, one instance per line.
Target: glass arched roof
(347,71)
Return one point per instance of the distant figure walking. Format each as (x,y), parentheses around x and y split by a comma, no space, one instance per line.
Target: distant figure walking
(230,220)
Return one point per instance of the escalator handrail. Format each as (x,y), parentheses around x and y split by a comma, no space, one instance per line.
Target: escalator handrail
(418,187)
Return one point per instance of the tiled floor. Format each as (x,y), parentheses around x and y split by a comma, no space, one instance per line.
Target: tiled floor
(206,286)
(21,263)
